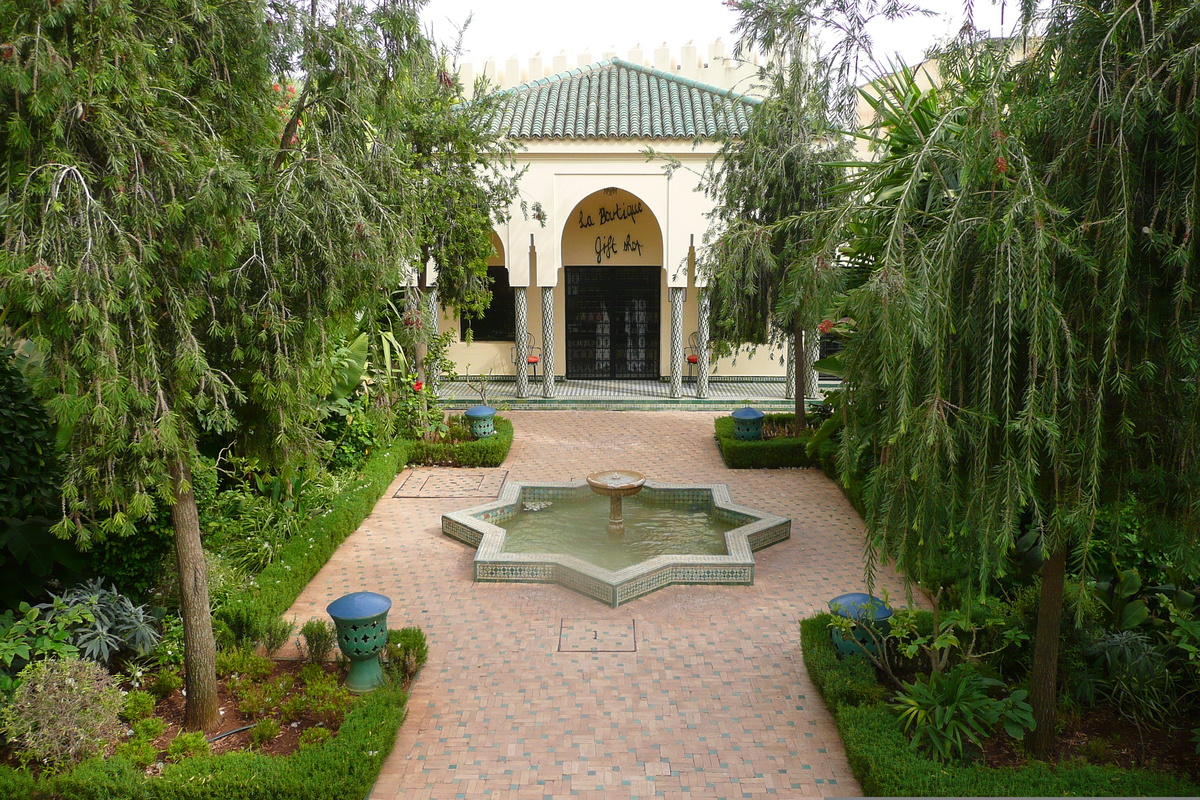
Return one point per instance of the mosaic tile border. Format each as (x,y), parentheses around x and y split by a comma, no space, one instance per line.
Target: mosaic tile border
(479,526)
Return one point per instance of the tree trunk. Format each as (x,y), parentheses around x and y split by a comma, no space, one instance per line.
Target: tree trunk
(199,647)
(1043,691)
(800,361)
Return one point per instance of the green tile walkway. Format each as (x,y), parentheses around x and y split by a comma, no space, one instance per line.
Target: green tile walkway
(632,395)
(533,691)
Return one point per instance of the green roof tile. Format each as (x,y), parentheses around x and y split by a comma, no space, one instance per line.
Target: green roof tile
(619,99)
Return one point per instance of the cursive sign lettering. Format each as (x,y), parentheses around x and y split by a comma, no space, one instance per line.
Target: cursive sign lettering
(606,247)
(586,222)
(620,212)
(632,245)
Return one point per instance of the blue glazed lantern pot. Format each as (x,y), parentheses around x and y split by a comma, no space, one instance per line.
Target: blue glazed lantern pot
(747,424)
(480,420)
(361,622)
(870,614)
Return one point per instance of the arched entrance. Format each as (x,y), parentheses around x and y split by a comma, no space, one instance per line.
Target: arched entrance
(612,273)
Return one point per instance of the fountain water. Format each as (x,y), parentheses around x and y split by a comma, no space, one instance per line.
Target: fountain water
(622,567)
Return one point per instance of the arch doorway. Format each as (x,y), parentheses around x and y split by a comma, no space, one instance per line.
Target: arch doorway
(612,265)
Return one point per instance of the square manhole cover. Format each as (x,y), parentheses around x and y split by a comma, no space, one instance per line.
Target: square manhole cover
(597,636)
(450,482)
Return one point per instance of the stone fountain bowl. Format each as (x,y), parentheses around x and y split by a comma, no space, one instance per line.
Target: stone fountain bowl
(482,528)
(616,482)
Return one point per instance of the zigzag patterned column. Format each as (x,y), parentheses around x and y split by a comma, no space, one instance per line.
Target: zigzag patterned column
(676,341)
(702,334)
(547,341)
(522,334)
(790,387)
(812,343)
(432,371)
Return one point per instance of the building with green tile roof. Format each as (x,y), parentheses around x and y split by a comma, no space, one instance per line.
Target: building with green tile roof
(616,99)
(605,287)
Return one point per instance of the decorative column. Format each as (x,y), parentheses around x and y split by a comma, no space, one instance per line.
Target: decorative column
(547,341)
(433,371)
(676,341)
(522,334)
(812,343)
(790,380)
(704,305)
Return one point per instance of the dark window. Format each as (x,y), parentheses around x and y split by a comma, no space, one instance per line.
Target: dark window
(829,346)
(612,322)
(499,321)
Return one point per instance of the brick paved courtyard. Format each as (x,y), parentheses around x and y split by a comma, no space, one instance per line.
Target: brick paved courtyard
(533,691)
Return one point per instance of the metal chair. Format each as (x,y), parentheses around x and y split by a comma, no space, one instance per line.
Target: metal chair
(692,353)
(533,354)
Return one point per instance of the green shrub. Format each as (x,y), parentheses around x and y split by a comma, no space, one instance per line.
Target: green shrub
(489,452)
(312,671)
(319,637)
(263,732)
(327,702)
(247,625)
(783,451)
(149,728)
(259,699)
(244,663)
(165,682)
(110,623)
(314,736)
(29,635)
(64,711)
(187,745)
(138,705)
(277,631)
(141,752)
(406,652)
(944,711)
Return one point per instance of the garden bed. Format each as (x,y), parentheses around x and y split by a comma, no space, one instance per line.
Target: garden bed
(457,448)
(779,446)
(886,765)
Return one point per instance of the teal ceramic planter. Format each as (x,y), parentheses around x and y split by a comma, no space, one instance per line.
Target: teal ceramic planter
(872,619)
(361,622)
(747,424)
(480,419)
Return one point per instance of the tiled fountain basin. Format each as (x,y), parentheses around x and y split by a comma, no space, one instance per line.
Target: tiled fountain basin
(481,527)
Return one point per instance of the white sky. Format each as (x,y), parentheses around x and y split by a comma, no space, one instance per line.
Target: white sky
(501,29)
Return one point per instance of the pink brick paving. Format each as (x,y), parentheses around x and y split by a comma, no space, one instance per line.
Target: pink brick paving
(515,703)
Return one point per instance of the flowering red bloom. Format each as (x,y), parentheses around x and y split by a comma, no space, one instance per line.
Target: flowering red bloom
(418,386)
(825,326)
(1001,164)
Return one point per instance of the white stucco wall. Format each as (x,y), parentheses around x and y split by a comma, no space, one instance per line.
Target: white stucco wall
(562,173)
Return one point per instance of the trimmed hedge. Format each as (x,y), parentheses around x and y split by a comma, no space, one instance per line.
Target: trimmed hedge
(489,452)
(886,765)
(764,453)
